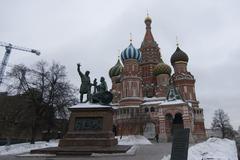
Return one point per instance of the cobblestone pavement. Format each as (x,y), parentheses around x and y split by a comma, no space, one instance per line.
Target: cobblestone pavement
(144,152)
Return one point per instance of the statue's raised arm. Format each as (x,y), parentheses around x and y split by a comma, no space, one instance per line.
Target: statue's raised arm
(79,71)
(85,87)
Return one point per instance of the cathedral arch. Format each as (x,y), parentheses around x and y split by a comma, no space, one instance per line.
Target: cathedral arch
(178,121)
(152,109)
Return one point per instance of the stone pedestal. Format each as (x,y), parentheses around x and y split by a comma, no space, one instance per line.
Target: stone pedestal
(90,125)
(89,131)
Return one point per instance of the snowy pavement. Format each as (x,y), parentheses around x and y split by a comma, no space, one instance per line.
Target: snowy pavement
(27,147)
(213,148)
(133,140)
(144,152)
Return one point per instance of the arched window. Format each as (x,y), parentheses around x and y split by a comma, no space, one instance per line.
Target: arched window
(146,109)
(169,117)
(152,109)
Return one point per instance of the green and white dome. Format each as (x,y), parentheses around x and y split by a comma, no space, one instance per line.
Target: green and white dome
(116,70)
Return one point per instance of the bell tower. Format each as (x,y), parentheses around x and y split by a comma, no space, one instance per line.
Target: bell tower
(150,58)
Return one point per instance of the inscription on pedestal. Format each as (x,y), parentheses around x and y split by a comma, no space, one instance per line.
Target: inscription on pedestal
(88,123)
(180,144)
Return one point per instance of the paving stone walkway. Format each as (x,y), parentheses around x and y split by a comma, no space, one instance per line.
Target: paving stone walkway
(144,152)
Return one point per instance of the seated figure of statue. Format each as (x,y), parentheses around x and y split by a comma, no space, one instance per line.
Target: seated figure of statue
(102,87)
(103,96)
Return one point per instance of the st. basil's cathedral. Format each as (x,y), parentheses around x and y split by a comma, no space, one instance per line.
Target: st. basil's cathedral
(151,100)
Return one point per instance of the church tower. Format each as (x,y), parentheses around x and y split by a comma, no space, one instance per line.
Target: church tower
(182,78)
(185,83)
(162,72)
(131,80)
(150,58)
(115,75)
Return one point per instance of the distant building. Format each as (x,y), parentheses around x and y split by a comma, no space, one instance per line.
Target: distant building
(148,98)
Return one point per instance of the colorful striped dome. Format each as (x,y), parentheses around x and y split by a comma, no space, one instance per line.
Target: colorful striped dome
(162,68)
(131,53)
(116,70)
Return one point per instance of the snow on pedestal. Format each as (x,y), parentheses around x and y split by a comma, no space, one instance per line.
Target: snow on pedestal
(89,105)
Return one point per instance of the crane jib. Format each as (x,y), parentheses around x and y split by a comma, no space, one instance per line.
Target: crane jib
(9,47)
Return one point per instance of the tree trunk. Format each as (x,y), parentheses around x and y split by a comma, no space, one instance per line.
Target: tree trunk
(33,134)
(8,141)
(223,133)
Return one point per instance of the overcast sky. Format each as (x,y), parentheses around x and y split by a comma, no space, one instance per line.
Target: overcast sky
(92,32)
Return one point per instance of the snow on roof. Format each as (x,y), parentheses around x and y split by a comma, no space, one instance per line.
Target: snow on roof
(161,102)
(154,98)
(152,102)
(131,106)
(89,105)
(178,101)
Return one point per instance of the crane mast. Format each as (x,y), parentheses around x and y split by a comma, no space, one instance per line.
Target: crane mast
(9,47)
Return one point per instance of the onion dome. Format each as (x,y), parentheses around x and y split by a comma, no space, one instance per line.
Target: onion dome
(131,53)
(162,68)
(148,19)
(116,70)
(179,55)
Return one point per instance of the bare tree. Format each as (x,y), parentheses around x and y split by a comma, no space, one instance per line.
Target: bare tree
(47,88)
(221,121)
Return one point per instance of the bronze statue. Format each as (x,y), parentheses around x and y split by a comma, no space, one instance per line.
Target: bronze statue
(103,96)
(85,87)
(102,87)
(100,94)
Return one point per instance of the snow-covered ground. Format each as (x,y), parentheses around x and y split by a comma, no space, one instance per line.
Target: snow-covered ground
(27,147)
(214,149)
(133,140)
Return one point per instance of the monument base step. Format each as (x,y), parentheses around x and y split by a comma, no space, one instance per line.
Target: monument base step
(75,142)
(86,150)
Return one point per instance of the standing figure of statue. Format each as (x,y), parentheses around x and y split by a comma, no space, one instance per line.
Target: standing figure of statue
(85,87)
